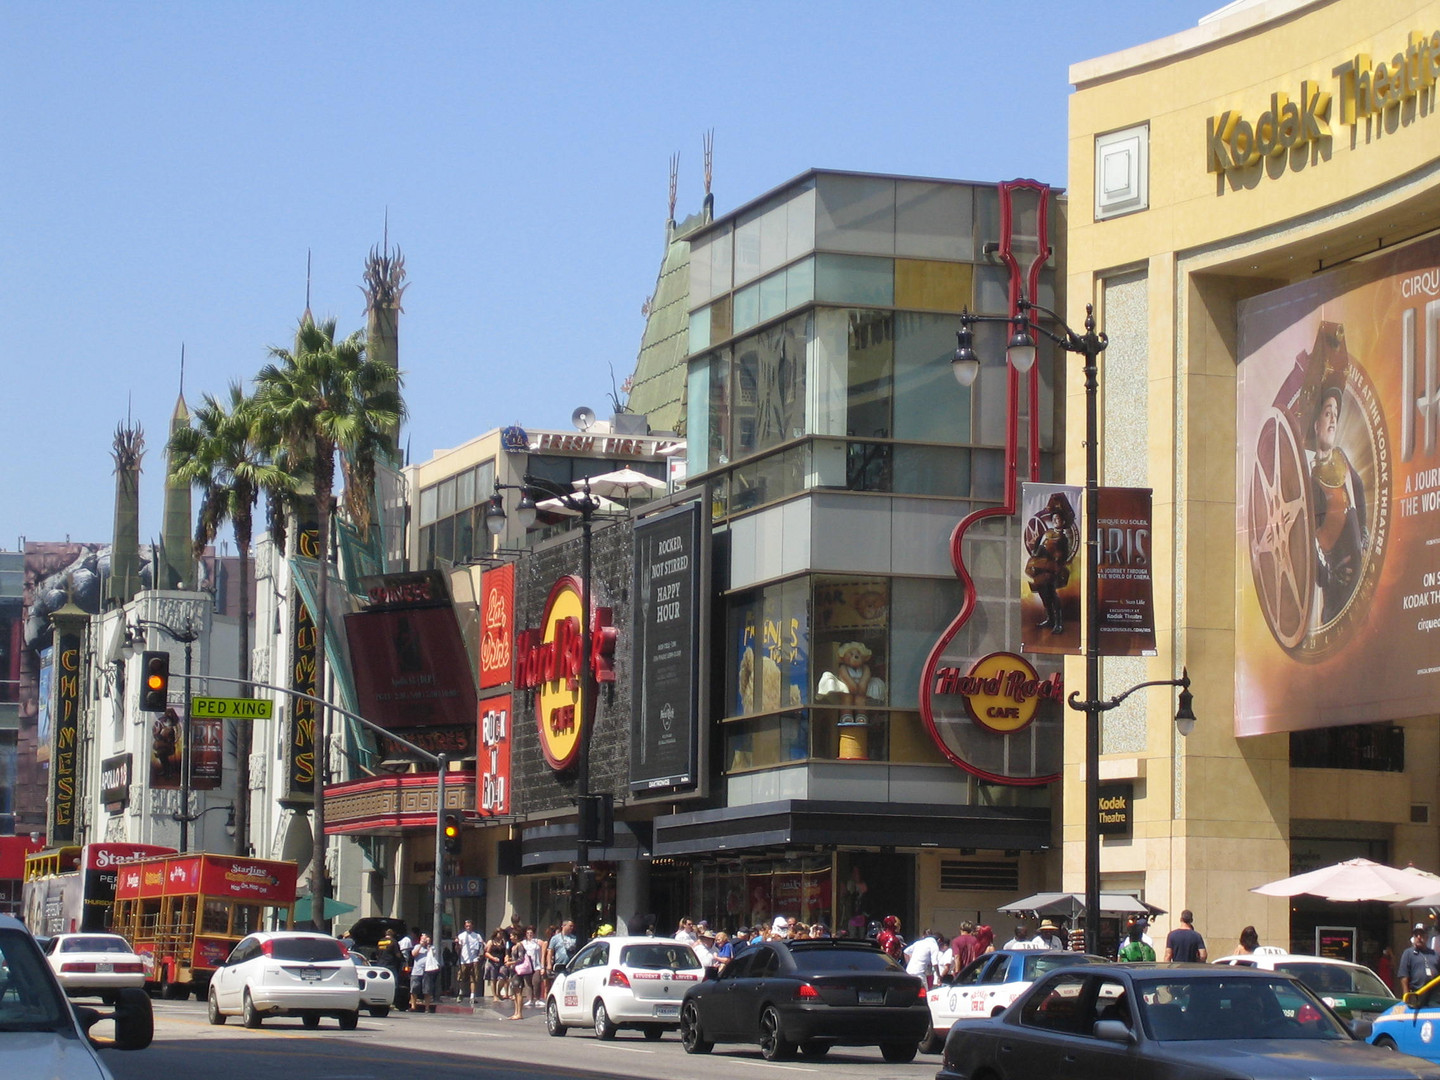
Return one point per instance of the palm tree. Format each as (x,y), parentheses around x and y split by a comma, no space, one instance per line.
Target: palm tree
(322,397)
(222,453)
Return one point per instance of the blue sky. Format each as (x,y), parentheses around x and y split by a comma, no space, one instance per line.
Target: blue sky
(166,167)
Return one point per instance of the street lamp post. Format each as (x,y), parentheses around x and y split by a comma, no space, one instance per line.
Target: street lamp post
(187,636)
(1020,352)
(584,504)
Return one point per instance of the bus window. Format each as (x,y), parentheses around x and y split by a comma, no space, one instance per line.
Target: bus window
(216,919)
(247,919)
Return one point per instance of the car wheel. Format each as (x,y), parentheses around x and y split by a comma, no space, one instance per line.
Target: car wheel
(249,1014)
(897,1053)
(691,1036)
(604,1026)
(813,1050)
(213,1010)
(552,1018)
(1385,1042)
(379,1011)
(311,1020)
(653,1032)
(932,1043)
(773,1044)
(349,1021)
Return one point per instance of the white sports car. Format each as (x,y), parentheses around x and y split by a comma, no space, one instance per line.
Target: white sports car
(377,986)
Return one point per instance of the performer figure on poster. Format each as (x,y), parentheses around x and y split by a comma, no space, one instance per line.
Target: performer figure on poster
(1338,495)
(165,747)
(1052,539)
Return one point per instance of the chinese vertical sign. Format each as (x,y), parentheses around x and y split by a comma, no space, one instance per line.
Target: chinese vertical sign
(66,730)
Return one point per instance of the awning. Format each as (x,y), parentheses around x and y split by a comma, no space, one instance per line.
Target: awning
(806,823)
(333,907)
(1072,905)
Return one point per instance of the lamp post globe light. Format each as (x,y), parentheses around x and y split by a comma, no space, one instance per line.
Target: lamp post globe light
(1029,323)
(582,503)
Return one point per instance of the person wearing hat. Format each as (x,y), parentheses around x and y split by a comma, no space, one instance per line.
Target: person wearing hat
(1051,934)
(704,946)
(1418,964)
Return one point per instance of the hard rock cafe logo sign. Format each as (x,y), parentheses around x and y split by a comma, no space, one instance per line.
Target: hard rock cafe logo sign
(549,663)
(1001,691)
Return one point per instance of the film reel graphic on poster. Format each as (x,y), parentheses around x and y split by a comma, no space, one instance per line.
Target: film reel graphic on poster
(1319,500)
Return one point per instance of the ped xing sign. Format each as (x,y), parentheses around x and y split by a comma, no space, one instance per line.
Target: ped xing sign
(230,708)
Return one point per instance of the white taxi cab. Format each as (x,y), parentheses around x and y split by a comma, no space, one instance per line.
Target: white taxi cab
(989,985)
(623,982)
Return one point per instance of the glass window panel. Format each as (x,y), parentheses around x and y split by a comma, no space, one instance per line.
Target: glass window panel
(697,416)
(699,330)
(800,283)
(870,372)
(446,505)
(484,481)
(557,470)
(829,364)
(795,640)
(827,464)
(990,387)
(720,497)
(426,555)
(934,220)
(987,219)
(910,742)
(747,308)
(800,222)
(719,451)
(851,659)
(930,405)
(989,475)
(465,489)
(465,535)
(1047,287)
(935,286)
(868,466)
(992,290)
(773,227)
(929,606)
(700,290)
(772,296)
(721,250)
(854,279)
(752,744)
(855,213)
(932,470)
(445,539)
(769,391)
(743,635)
(746,487)
(429,498)
(720,319)
(747,251)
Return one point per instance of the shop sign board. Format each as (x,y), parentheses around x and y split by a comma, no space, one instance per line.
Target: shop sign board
(497,625)
(664,736)
(1117,808)
(66,727)
(493,796)
(1338,497)
(115,776)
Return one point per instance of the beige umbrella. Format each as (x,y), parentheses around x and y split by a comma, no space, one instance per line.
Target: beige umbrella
(624,483)
(560,506)
(1353,879)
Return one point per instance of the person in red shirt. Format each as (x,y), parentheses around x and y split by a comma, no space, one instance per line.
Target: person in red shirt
(889,938)
(965,946)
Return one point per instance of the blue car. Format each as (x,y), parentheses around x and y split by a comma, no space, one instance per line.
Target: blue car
(1412,1026)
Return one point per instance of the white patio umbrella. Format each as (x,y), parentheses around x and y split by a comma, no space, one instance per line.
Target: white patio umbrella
(1353,879)
(559,506)
(624,483)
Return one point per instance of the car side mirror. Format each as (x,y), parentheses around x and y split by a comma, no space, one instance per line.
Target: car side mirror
(134,1021)
(1113,1031)
(558,967)
(1361,1029)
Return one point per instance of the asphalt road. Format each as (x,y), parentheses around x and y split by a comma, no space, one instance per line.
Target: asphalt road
(443,1046)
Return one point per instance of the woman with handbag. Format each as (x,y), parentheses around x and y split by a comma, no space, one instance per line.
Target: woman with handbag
(521,968)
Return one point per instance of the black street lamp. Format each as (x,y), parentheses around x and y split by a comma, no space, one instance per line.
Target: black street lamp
(187,635)
(584,504)
(1020,352)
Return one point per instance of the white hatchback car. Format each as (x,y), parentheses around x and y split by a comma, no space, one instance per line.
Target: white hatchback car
(94,964)
(286,973)
(623,982)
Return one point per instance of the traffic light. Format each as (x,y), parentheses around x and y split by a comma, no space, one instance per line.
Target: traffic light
(452,835)
(154,681)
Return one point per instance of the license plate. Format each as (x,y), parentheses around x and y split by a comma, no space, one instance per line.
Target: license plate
(310,974)
(667,1010)
(872,997)
(104,967)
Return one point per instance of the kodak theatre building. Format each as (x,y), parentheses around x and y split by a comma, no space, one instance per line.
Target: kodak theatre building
(1255,214)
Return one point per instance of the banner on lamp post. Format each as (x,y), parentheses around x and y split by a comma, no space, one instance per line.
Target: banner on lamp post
(1052,569)
(1121,522)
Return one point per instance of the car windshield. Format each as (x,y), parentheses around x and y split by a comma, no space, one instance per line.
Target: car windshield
(659,957)
(94,943)
(1331,979)
(306,948)
(1218,1009)
(1040,963)
(833,959)
(29,998)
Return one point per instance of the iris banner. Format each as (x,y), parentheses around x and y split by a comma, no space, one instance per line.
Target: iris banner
(1121,524)
(1338,497)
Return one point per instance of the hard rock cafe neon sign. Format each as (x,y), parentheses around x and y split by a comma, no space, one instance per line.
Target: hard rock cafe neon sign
(548,662)
(1001,691)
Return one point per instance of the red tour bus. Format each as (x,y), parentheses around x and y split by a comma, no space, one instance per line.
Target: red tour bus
(184,913)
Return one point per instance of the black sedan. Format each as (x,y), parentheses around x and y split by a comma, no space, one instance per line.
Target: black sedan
(1165,1021)
(808,996)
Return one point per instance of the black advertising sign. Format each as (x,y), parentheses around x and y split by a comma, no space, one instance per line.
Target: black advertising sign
(664,736)
(1117,808)
(115,776)
(300,746)
(66,725)
(1121,521)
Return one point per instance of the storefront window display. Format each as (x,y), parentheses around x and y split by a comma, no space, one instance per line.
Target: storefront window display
(768,403)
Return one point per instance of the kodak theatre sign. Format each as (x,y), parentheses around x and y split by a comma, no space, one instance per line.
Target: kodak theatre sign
(1365,88)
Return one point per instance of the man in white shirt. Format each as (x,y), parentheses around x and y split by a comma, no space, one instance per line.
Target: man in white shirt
(704,949)
(469,944)
(1023,939)
(922,956)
